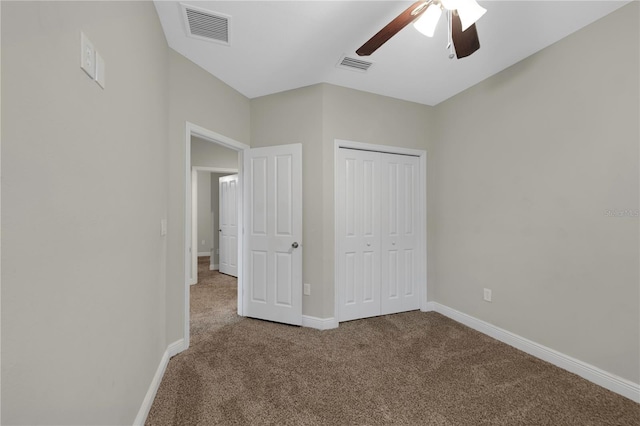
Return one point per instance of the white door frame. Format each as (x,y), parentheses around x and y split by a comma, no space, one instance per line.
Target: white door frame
(193,272)
(213,137)
(194,213)
(422,190)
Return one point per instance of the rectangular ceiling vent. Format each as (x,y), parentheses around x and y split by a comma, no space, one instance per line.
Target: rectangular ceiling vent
(354,64)
(206,25)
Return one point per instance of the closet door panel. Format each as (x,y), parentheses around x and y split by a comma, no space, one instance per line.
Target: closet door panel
(358,233)
(399,240)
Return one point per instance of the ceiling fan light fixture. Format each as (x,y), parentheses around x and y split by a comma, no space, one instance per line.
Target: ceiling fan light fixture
(450,4)
(428,22)
(469,11)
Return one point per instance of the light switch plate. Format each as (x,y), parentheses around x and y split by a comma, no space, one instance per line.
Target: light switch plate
(87,56)
(100,70)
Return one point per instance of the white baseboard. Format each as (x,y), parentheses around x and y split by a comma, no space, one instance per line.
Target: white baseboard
(176,347)
(427,307)
(319,323)
(594,374)
(214,267)
(204,254)
(173,349)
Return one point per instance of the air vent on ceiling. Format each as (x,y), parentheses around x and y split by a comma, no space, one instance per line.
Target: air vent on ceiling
(206,25)
(354,64)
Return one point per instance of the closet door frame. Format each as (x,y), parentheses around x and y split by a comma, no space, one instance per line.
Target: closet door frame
(421,257)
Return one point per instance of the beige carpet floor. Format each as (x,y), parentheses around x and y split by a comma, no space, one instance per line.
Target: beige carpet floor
(405,369)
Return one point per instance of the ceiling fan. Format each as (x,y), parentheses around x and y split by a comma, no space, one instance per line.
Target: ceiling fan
(461,17)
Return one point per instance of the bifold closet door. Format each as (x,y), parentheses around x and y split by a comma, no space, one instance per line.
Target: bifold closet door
(400,242)
(358,233)
(378,233)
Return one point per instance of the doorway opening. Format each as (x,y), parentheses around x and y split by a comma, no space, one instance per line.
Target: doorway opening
(210,213)
(195,132)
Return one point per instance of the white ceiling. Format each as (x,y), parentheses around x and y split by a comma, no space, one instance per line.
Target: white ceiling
(282,45)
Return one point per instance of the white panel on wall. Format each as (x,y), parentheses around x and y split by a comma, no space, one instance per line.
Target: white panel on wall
(392,198)
(259,195)
(409,198)
(283,195)
(392,277)
(368,195)
(283,279)
(368,276)
(232,218)
(259,279)
(409,268)
(350,278)
(350,196)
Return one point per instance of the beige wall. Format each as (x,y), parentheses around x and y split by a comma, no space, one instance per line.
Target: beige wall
(84,174)
(197,97)
(527,164)
(207,154)
(205,214)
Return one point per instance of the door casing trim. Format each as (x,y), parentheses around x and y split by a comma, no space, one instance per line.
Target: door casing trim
(192,129)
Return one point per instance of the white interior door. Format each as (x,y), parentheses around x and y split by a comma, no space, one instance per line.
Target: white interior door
(228,221)
(358,224)
(273,233)
(400,233)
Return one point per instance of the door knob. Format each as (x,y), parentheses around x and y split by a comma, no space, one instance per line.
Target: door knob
(294,245)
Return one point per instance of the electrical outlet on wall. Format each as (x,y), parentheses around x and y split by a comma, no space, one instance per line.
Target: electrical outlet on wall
(307,289)
(487,295)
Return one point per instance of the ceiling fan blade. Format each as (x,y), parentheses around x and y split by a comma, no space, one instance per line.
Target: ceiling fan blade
(392,28)
(465,42)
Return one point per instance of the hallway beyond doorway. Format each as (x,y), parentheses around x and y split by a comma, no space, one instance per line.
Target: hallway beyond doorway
(213,301)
